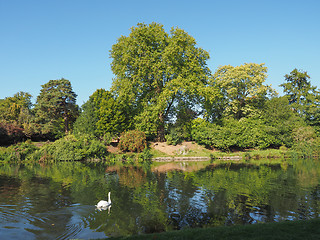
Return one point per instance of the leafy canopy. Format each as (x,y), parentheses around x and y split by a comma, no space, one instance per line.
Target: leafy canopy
(11,108)
(56,107)
(303,97)
(110,115)
(154,70)
(242,89)
(102,115)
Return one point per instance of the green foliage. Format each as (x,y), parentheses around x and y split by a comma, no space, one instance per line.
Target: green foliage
(11,108)
(18,152)
(16,113)
(281,120)
(133,141)
(306,141)
(154,70)
(303,97)
(272,128)
(106,139)
(145,155)
(102,115)
(242,89)
(71,148)
(111,116)
(174,137)
(87,120)
(181,129)
(296,88)
(243,133)
(209,134)
(56,108)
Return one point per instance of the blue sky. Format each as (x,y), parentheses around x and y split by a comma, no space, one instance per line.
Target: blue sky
(43,40)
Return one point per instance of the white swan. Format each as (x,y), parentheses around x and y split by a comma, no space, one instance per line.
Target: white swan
(103,205)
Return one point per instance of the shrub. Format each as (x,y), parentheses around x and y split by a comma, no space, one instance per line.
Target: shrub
(243,133)
(174,137)
(212,135)
(283,148)
(71,148)
(10,133)
(133,141)
(18,152)
(145,156)
(306,141)
(107,138)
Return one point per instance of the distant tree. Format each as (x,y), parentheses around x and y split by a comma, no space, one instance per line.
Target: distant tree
(303,97)
(154,70)
(16,113)
(297,87)
(180,128)
(102,114)
(56,107)
(111,115)
(87,120)
(242,89)
(11,108)
(281,120)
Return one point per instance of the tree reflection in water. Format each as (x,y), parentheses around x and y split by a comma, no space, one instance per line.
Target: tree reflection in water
(57,200)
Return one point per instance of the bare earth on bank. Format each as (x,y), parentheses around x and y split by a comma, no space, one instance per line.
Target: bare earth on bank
(192,150)
(174,150)
(170,150)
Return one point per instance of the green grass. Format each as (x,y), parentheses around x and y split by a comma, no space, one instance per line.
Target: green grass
(288,230)
(155,153)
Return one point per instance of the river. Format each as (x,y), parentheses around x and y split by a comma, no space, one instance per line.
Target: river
(57,201)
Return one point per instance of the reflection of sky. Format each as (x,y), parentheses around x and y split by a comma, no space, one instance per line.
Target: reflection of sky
(78,226)
(196,205)
(199,200)
(22,225)
(12,221)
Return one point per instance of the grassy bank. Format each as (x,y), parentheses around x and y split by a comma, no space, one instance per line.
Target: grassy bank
(293,230)
(195,150)
(72,148)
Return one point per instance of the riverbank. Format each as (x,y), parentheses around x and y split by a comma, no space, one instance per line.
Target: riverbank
(71,148)
(191,151)
(293,230)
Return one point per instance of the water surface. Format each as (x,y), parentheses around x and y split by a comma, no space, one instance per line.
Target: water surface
(57,201)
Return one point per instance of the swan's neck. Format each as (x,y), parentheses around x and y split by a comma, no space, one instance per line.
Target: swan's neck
(109,199)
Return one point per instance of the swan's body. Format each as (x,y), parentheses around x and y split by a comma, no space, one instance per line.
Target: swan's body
(102,205)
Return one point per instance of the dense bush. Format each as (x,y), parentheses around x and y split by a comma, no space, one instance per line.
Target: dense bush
(10,133)
(306,141)
(71,148)
(133,141)
(18,152)
(175,136)
(232,133)
(87,120)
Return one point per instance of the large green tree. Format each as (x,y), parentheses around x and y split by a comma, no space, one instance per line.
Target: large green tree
(154,70)
(56,107)
(303,97)
(243,90)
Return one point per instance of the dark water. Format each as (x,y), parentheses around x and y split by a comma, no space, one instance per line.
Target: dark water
(57,201)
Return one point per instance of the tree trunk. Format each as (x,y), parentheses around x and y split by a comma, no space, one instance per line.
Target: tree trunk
(66,125)
(160,130)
